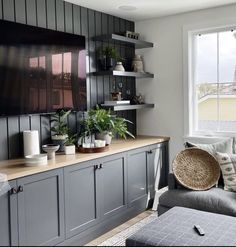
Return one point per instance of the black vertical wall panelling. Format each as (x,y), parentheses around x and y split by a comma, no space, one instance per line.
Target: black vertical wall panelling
(1,9)
(60,17)
(106,81)
(14,137)
(41,13)
(84,32)
(98,47)
(76,19)
(31,12)
(92,61)
(110,31)
(8,10)
(20,11)
(3,139)
(51,14)
(45,130)
(68,18)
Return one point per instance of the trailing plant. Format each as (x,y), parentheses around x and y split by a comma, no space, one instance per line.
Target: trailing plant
(59,122)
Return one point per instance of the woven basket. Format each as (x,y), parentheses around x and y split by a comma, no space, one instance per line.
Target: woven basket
(196,169)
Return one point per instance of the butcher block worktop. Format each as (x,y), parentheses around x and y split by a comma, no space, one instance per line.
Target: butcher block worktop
(15,169)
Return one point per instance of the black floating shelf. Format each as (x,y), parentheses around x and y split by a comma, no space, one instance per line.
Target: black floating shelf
(125,73)
(139,44)
(127,107)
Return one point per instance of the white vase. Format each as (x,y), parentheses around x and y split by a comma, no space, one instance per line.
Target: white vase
(69,150)
(137,64)
(119,67)
(106,136)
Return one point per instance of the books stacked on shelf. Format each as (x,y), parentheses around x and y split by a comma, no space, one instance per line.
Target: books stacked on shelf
(117,102)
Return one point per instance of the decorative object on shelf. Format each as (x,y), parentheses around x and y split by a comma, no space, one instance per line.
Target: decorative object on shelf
(31,142)
(99,143)
(137,64)
(117,102)
(119,67)
(137,100)
(51,150)
(116,96)
(70,144)
(60,128)
(100,121)
(36,160)
(108,58)
(132,35)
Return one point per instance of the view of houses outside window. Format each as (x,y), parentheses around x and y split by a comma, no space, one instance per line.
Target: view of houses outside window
(215,82)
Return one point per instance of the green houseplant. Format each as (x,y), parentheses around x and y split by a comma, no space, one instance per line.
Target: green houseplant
(59,128)
(105,125)
(109,57)
(70,144)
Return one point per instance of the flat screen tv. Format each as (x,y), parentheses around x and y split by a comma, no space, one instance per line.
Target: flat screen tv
(41,70)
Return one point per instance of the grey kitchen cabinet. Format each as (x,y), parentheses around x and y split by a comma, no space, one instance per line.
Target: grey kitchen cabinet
(158,167)
(137,175)
(41,209)
(112,178)
(81,197)
(8,218)
(94,191)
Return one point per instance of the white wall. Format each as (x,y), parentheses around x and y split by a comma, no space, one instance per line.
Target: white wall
(166,61)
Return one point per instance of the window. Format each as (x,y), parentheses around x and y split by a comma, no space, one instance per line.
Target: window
(214,82)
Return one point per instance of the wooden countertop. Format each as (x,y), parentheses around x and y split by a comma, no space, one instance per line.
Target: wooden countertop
(15,169)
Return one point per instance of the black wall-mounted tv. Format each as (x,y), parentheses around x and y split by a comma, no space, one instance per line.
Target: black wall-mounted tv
(41,70)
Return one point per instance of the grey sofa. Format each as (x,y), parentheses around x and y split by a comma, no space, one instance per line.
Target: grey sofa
(215,200)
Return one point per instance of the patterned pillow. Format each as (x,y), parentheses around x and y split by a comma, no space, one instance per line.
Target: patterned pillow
(225,146)
(228,167)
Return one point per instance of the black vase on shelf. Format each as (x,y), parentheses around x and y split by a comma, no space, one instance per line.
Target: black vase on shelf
(107,63)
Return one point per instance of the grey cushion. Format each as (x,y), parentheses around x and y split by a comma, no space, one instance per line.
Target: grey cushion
(215,200)
(176,228)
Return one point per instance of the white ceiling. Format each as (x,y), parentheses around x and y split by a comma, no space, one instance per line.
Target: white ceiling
(147,9)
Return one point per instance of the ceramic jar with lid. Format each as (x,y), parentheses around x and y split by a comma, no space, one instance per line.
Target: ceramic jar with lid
(119,67)
(137,64)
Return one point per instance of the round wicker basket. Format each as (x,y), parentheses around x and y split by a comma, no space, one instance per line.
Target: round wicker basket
(196,169)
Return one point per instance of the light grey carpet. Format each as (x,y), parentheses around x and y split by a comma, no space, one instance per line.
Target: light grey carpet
(119,239)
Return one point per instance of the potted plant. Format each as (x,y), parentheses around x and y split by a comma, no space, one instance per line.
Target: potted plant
(70,144)
(105,125)
(60,129)
(109,57)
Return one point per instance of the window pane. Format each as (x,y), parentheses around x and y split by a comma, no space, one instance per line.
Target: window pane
(206,117)
(227,56)
(227,107)
(206,58)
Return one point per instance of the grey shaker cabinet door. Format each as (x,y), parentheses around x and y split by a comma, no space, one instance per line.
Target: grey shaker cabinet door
(41,209)
(113,184)
(137,175)
(80,198)
(8,219)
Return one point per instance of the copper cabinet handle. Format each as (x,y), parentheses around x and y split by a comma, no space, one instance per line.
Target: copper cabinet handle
(13,191)
(20,189)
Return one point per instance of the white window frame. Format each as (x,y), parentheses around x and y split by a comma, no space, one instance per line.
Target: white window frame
(189,31)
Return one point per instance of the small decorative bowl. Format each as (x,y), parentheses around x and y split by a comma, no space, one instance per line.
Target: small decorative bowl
(36,160)
(50,149)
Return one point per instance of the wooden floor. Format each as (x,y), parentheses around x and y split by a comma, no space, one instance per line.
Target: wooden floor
(119,229)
